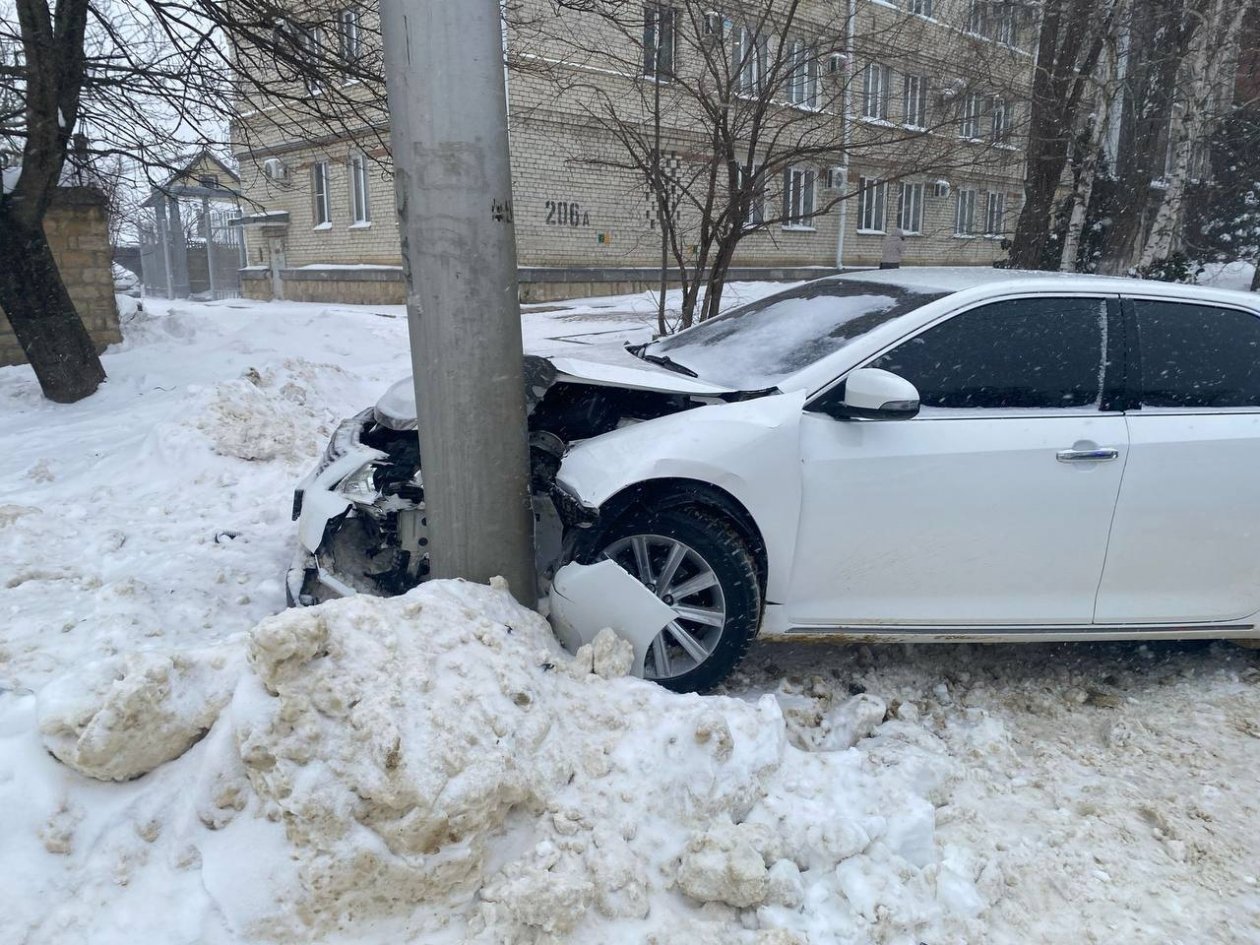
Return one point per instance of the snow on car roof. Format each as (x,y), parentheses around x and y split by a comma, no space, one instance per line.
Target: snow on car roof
(962,278)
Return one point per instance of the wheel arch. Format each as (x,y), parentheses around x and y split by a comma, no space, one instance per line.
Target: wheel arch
(675,492)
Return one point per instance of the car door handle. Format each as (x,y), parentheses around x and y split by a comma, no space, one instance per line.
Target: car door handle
(1102,455)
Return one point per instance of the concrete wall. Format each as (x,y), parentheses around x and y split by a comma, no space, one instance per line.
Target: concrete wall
(78,233)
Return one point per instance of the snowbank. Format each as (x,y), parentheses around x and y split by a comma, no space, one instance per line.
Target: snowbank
(436,763)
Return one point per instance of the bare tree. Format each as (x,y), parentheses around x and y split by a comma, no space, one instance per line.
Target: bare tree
(1071,40)
(1159,34)
(142,79)
(744,121)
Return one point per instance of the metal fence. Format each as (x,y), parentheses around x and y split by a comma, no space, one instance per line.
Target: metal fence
(191,250)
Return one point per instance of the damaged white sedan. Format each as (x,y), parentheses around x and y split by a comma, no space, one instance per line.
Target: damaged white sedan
(916,455)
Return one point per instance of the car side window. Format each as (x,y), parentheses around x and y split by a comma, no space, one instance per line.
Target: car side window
(1196,355)
(1021,353)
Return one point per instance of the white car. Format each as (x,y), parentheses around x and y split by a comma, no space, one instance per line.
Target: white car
(918,455)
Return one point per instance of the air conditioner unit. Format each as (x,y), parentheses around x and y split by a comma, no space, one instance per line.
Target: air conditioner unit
(940,188)
(837,178)
(274,169)
(951,90)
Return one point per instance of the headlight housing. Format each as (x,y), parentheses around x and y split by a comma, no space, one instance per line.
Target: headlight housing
(360,486)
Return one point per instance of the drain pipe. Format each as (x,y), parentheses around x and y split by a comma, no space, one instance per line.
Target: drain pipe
(846,104)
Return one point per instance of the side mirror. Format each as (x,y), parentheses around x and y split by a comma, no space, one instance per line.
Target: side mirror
(874,394)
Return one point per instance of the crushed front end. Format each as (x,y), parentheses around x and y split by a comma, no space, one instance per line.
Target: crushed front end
(361,515)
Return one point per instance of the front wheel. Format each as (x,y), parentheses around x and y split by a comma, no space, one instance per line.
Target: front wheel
(699,565)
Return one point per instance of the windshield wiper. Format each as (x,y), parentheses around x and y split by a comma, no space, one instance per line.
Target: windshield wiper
(664,361)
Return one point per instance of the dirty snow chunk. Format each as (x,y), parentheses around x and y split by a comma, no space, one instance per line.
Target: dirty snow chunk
(722,865)
(607,656)
(119,718)
(847,724)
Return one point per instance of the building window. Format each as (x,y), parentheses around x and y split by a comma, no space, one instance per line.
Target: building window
(802,80)
(872,204)
(920,7)
(1001,128)
(1006,24)
(876,82)
(209,180)
(660,41)
(978,17)
(748,56)
(798,197)
(312,42)
(914,101)
(910,209)
(360,194)
(995,214)
(756,198)
(965,213)
(969,124)
(349,38)
(322,202)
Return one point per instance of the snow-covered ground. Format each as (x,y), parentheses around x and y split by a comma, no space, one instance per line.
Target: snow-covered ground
(434,769)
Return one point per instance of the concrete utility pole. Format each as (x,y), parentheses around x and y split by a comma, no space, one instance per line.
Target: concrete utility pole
(448,130)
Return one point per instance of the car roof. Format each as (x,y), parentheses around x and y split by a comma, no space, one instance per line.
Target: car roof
(948,280)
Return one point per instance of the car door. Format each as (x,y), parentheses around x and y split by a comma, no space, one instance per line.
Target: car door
(1185,546)
(992,506)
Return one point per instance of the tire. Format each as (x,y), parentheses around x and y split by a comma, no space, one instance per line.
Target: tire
(720,608)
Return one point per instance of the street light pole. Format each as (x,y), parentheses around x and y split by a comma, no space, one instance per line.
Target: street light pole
(449,137)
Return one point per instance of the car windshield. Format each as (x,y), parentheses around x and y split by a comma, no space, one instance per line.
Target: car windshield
(757,345)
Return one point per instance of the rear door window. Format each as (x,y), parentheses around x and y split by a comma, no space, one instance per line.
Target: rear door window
(1198,356)
(1040,353)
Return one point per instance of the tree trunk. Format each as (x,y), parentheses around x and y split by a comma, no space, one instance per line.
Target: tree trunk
(43,315)
(1032,231)
(1255,278)
(1159,41)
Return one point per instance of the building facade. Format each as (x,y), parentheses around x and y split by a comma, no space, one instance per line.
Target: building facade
(878,115)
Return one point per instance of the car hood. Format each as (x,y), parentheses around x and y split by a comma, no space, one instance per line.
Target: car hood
(601,366)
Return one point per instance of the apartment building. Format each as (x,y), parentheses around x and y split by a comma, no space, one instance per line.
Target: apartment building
(867,116)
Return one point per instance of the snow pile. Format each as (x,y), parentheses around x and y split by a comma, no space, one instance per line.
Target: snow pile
(269,414)
(436,762)
(120,718)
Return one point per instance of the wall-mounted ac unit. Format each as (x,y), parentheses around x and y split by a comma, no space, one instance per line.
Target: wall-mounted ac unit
(940,188)
(274,169)
(951,90)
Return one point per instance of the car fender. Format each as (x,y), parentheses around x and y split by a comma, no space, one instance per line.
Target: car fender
(750,449)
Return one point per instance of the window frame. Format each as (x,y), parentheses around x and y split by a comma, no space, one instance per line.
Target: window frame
(971,220)
(801,84)
(748,57)
(360,190)
(990,197)
(1134,390)
(918,188)
(919,98)
(804,220)
(921,8)
(350,33)
(877,91)
(969,118)
(877,186)
(653,15)
(311,40)
(321,196)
